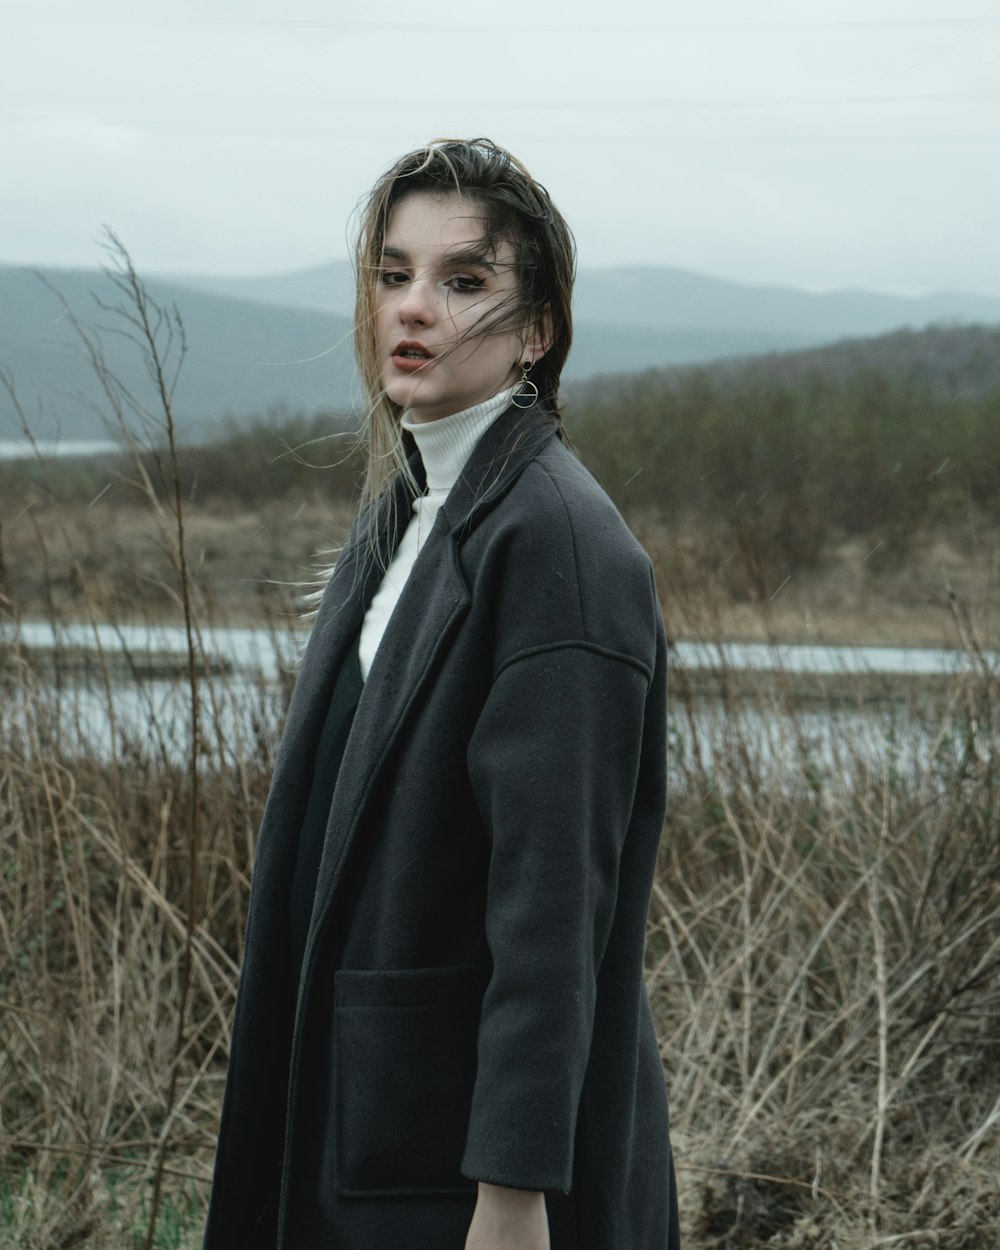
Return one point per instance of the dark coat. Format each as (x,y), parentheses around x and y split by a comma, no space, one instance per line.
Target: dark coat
(471,1004)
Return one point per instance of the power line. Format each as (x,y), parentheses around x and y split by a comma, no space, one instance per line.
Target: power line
(150,18)
(348,132)
(519,103)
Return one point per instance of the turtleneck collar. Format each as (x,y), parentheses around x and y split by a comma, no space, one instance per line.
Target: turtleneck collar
(446,444)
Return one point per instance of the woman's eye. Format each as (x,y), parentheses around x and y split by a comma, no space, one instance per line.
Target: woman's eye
(392,277)
(465,282)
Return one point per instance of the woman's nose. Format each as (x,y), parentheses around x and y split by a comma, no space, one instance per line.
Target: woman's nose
(418,305)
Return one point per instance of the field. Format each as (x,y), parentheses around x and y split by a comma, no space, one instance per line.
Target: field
(73,557)
(823,960)
(823,949)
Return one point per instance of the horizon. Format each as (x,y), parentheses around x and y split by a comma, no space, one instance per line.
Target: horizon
(187,273)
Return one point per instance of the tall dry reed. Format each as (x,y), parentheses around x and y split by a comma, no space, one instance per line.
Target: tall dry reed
(823,955)
(823,961)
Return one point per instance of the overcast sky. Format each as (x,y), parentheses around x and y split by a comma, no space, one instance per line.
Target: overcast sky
(811,143)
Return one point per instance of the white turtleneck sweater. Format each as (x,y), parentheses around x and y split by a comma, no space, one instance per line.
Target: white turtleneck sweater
(444,446)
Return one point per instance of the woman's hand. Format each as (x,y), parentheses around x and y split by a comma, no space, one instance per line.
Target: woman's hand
(508,1219)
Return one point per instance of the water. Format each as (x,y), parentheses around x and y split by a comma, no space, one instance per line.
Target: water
(244,705)
(242,698)
(265,651)
(248,650)
(21,449)
(822,659)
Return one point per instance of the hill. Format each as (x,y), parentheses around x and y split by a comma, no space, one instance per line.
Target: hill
(952,361)
(283,341)
(658,298)
(242,358)
(768,465)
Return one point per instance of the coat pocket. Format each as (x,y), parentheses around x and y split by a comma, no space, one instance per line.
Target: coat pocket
(405,1065)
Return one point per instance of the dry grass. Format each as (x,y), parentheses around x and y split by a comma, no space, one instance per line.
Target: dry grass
(113,559)
(823,956)
(112,556)
(824,963)
(825,970)
(95,901)
(824,951)
(714,587)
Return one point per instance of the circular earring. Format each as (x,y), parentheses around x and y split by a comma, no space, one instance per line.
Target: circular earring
(527,390)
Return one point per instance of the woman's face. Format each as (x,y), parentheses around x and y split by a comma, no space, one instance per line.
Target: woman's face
(441,288)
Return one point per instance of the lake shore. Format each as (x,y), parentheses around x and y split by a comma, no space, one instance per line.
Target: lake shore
(252,567)
(768,673)
(827,878)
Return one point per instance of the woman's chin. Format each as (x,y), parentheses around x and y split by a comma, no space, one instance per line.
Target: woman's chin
(404,391)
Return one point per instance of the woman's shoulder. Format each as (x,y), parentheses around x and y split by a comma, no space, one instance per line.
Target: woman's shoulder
(558,562)
(557,495)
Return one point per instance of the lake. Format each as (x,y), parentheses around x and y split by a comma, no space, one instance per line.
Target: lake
(21,449)
(250,671)
(265,650)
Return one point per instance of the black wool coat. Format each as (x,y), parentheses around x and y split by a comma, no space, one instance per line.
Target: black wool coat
(471,1003)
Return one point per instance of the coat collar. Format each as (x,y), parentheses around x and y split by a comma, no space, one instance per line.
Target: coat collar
(495,464)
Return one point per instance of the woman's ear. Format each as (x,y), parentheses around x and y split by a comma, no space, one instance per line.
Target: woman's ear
(538,338)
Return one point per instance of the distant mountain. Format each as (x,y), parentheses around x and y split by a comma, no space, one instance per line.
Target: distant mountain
(283,340)
(954,361)
(675,299)
(658,298)
(242,358)
(329,287)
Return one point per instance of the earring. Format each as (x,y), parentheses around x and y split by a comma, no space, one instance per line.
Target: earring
(527,390)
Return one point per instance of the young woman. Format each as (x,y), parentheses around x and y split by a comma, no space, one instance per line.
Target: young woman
(442,1039)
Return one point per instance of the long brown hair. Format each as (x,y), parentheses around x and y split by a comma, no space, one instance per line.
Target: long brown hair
(515,209)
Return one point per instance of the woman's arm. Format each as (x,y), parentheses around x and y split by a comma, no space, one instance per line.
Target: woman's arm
(508,1219)
(553,763)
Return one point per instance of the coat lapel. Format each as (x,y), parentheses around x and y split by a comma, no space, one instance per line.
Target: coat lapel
(434,600)
(354,581)
(431,607)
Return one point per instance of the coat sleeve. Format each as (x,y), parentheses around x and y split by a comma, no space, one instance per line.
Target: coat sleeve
(553,762)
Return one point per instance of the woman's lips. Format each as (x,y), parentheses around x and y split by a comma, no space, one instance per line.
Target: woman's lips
(409,357)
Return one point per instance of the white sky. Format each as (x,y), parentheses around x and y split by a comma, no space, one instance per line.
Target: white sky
(813,143)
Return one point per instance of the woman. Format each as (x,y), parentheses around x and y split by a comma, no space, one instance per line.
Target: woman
(442,1037)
